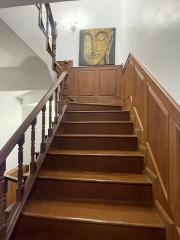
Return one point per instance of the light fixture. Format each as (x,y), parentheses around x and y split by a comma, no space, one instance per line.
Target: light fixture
(73,26)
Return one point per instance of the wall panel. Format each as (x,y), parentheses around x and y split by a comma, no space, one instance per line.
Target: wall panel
(157,134)
(108,82)
(86,83)
(98,82)
(157,119)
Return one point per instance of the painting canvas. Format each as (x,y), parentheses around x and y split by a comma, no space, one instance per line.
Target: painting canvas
(97,47)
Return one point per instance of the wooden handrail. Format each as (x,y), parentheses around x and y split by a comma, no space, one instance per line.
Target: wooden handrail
(166,97)
(8,147)
(51,18)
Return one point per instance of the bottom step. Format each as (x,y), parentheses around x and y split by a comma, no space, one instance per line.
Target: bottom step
(76,220)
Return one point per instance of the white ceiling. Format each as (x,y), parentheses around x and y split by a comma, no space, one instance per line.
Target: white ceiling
(13,3)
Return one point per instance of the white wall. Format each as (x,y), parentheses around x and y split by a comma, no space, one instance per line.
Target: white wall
(87,14)
(151,30)
(20,67)
(13,52)
(10,119)
(24,22)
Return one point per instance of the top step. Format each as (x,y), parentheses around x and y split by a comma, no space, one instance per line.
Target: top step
(92,107)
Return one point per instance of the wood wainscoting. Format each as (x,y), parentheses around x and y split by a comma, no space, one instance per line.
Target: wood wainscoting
(96,84)
(157,120)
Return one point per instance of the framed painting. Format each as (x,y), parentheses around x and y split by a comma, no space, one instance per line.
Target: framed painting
(97,47)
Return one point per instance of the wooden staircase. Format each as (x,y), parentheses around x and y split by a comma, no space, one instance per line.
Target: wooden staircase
(91,185)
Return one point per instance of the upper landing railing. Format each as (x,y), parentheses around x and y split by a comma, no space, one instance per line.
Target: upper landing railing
(49,26)
(45,117)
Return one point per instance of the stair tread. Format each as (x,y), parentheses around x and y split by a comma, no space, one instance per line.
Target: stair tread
(94,176)
(93,212)
(95,104)
(58,151)
(95,135)
(95,111)
(97,122)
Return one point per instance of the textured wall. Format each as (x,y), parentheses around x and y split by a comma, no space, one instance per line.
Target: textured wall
(151,30)
(87,14)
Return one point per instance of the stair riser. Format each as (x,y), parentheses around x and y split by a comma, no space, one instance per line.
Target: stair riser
(98,191)
(96,143)
(97,116)
(86,107)
(97,163)
(46,229)
(93,128)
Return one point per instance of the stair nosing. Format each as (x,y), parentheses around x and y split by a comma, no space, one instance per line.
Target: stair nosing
(95,221)
(94,104)
(97,122)
(96,135)
(146,182)
(95,154)
(97,111)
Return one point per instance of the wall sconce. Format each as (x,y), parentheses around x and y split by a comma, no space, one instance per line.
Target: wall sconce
(73,26)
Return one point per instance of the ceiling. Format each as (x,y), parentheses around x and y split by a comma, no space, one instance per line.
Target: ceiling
(14,3)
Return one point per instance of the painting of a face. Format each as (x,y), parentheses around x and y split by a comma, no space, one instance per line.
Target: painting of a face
(97,46)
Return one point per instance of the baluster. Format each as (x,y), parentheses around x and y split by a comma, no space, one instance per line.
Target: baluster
(54,37)
(56,107)
(61,103)
(59,106)
(66,84)
(50,117)
(33,150)
(20,189)
(2,201)
(43,141)
(47,22)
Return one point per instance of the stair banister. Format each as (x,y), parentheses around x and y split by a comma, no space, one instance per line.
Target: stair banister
(49,27)
(58,93)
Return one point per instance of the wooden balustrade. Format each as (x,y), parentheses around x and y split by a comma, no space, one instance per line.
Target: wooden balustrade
(49,27)
(24,187)
(18,139)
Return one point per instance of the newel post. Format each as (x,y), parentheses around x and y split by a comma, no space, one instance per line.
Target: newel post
(2,202)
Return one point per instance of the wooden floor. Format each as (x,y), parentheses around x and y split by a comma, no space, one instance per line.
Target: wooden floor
(92,184)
